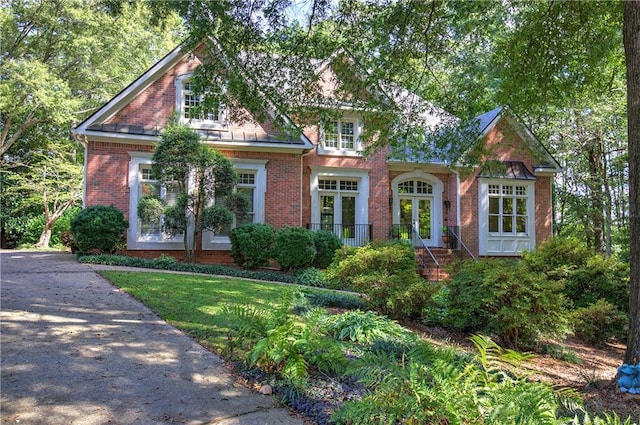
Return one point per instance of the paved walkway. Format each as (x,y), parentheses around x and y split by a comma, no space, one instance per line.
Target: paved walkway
(76,350)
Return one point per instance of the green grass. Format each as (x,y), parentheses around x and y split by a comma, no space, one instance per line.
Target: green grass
(194,304)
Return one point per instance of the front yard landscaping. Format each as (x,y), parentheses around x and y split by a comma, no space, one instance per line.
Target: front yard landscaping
(333,362)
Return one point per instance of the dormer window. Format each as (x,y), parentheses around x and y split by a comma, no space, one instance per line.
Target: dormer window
(190,107)
(341,137)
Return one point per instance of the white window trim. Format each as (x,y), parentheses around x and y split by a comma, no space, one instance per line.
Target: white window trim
(216,243)
(503,244)
(357,130)
(133,242)
(362,195)
(196,123)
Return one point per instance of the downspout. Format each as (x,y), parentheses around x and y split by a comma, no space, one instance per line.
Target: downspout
(85,145)
(305,154)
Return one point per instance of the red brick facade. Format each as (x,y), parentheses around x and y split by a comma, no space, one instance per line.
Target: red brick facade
(287,198)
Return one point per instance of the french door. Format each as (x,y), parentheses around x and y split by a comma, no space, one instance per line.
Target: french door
(417,210)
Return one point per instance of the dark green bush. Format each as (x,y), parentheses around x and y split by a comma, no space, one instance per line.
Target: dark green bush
(294,248)
(251,245)
(386,273)
(326,243)
(99,228)
(589,275)
(167,263)
(505,298)
(599,323)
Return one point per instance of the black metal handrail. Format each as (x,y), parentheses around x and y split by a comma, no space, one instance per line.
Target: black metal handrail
(455,231)
(426,248)
(351,234)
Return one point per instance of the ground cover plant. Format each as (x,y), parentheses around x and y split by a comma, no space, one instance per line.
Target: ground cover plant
(351,367)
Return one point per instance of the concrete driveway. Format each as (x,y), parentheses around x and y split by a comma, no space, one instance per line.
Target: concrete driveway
(76,350)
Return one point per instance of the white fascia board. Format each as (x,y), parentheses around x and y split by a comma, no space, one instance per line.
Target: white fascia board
(101,136)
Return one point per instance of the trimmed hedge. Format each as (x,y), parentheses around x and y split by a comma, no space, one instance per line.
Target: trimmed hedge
(251,245)
(99,228)
(294,248)
(161,263)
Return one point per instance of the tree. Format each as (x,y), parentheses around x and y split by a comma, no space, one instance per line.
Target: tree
(204,180)
(60,59)
(631,36)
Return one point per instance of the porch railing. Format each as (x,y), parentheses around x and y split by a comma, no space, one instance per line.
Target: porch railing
(455,241)
(422,257)
(351,234)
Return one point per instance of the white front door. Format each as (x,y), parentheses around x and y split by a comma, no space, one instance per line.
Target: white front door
(418,211)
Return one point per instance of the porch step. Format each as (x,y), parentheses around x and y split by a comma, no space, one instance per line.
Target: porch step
(444,257)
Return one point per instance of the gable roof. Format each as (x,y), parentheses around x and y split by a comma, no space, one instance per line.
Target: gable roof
(95,125)
(440,142)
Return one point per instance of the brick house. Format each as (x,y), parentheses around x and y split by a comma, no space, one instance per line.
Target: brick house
(319,179)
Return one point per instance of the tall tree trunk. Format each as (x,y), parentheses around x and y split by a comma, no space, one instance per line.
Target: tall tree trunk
(594,159)
(45,236)
(631,37)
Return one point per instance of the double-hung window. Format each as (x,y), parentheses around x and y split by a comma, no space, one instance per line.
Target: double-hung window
(192,109)
(341,137)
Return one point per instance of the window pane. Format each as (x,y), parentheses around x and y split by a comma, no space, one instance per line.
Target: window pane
(494,205)
(507,190)
(423,188)
(327,184)
(521,224)
(507,224)
(348,216)
(327,212)
(348,185)
(493,223)
(521,206)
(507,206)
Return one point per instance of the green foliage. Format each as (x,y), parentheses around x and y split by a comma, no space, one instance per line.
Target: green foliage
(294,248)
(386,273)
(251,244)
(326,243)
(505,298)
(161,264)
(280,342)
(600,322)
(150,208)
(35,225)
(364,328)
(216,218)
(99,228)
(334,299)
(311,277)
(589,276)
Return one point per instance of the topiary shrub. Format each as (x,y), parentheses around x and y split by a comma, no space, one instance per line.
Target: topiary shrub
(294,248)
(599,323)
(99,228)
(505,298)
(251,245)
(326,243)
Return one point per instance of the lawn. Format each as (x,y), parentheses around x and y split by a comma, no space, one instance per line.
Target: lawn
(194,303)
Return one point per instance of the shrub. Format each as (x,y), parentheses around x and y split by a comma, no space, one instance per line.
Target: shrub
(386,273)
(99,228)
(35,225)
(358,326)
(505,298)
(589,275)
(311,277)
(599,322)
(294,248)
(251,245)
(326,243)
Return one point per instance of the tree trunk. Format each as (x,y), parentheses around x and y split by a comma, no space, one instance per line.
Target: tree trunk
(45,236)
(631,37)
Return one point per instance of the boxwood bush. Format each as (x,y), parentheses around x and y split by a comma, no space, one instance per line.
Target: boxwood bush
(326,243)
(600,323)
(99,228)
(294,248)
(251,245)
